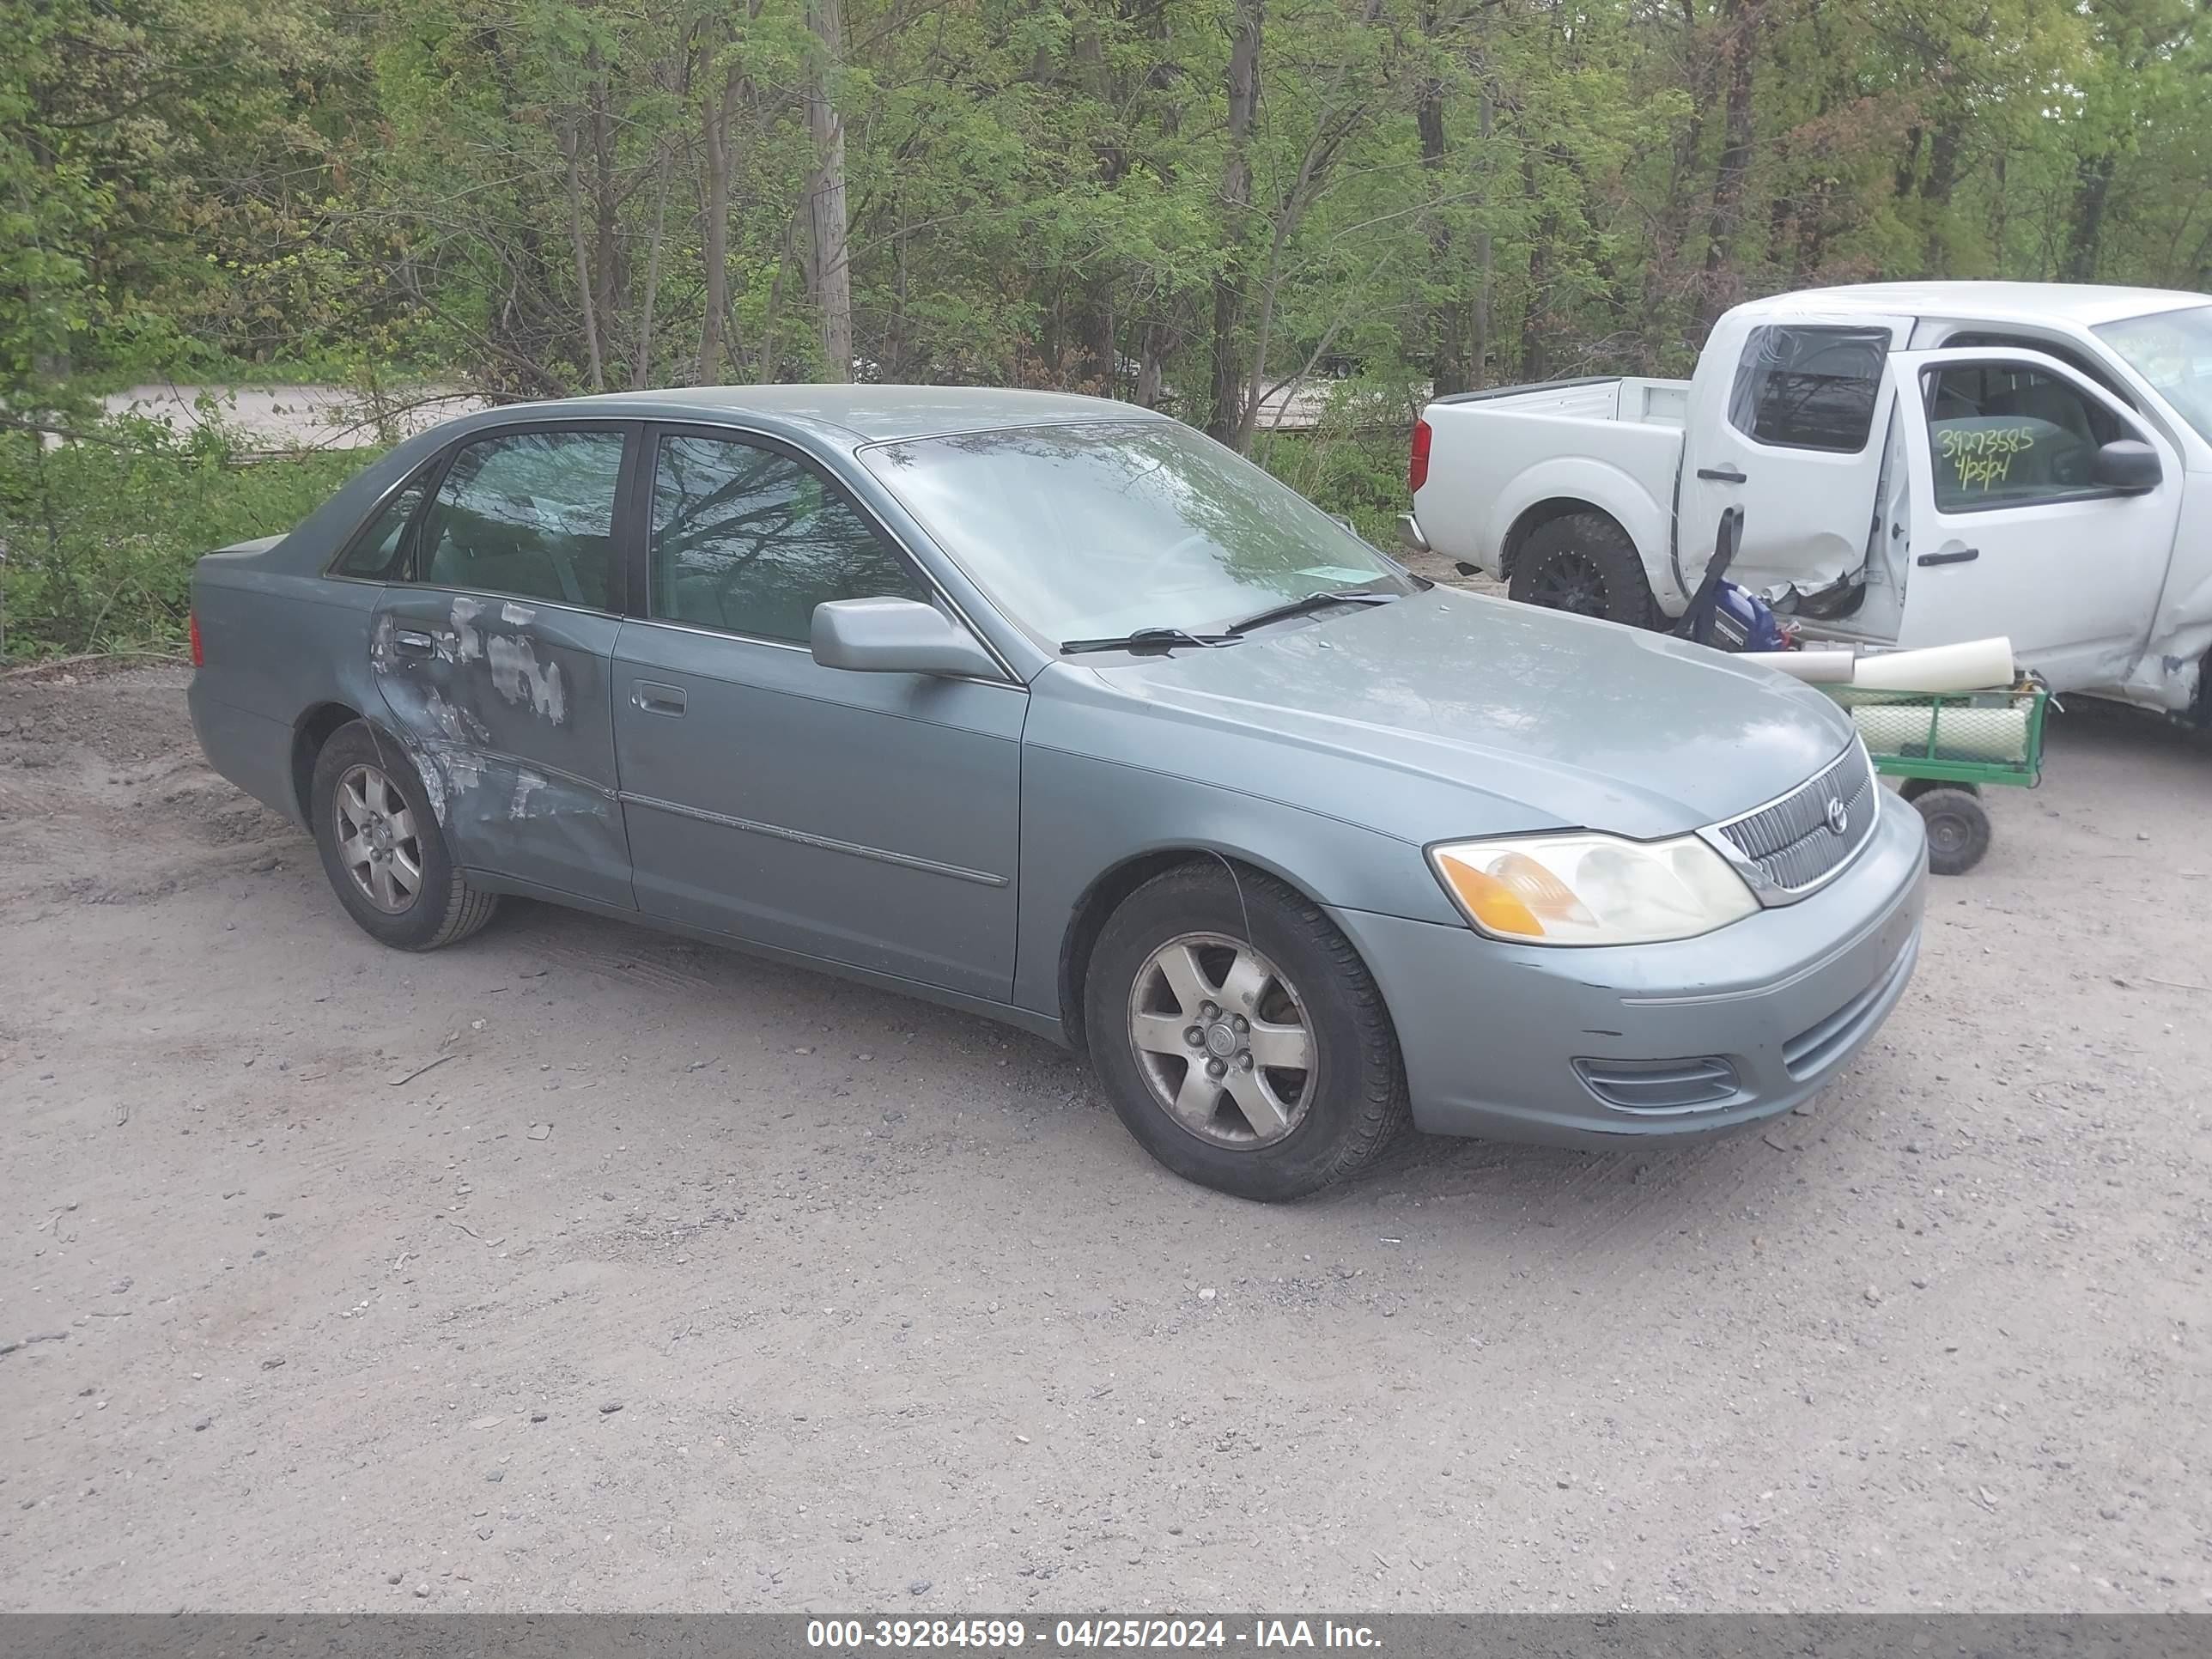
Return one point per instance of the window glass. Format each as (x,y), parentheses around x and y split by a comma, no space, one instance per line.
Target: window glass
(1808,388)
(2005,435)
(2171,350)
(2065,354)
(531,514)
(379,553)
(1092,532)
(747,539)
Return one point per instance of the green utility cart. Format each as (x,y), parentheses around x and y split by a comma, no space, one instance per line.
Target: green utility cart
(1947,748)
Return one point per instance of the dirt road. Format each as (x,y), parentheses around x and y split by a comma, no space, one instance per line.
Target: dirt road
(579,1267)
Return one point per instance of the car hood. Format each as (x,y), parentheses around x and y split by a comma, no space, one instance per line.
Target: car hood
(1448,713)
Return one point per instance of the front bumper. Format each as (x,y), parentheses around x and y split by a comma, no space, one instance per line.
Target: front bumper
(1770,1006)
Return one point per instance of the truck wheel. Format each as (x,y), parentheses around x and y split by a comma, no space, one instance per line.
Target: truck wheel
(382,849)
(1958,830)
(1239,1036)
(1586,563)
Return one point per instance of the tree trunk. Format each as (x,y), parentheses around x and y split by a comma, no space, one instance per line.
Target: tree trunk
(715,131)
(570,148)
(640,367)
(1534,360)
(2092,185)
(1151,364)
(1484,254)
(831,268)
(1944,149)
(1740,24)
(1227,413)
(1447,371)
(608,276)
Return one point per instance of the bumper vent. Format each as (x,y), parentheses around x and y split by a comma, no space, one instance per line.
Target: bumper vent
(1795,844)
(1813,1050)
(1659,1086)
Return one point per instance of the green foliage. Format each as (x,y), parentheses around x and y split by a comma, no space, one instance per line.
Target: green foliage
(1192,204)
(97,537)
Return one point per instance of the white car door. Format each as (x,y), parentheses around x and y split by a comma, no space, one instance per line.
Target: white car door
(1792,434)
(2015,526)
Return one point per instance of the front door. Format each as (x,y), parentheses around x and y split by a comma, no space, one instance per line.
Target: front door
(493,657)
(1794,435)
(870,819)
(2009,532)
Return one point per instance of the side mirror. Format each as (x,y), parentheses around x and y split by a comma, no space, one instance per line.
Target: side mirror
(896,637)
(2128,465)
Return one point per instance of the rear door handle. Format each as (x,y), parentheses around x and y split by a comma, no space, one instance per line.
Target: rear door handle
(414,642)
(655,698)
(1951,555)
(1722,475)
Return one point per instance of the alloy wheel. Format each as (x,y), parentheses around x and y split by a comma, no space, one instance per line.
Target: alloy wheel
(1223,1041)
(379,841)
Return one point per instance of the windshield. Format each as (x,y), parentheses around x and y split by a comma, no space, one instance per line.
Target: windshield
(1096,531)
(2171,350)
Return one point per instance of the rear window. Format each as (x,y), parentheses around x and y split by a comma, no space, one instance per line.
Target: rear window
(1808,388)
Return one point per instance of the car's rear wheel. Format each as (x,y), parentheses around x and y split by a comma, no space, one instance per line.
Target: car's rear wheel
(382,848)
(1586,563)
(1240,1037)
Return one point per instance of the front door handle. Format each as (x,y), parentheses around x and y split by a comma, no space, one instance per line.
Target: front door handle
(655,698)
(1722,475)
(1951,555)
(414,642)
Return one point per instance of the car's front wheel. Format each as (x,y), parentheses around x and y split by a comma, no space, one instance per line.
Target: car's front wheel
(382,849)
(1239,1035)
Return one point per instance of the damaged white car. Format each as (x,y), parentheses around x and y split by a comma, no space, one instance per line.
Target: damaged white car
(1918,464)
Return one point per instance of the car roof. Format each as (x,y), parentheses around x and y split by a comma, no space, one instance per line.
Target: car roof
(869,414)
(2024,302)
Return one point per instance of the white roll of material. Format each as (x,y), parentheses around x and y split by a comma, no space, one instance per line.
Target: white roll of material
(1964,734)
(1813,667)
(1970,665)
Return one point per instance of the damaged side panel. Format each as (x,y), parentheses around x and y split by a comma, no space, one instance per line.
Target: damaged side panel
(504,708)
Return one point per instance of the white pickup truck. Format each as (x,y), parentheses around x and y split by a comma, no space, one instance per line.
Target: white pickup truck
(1918,464)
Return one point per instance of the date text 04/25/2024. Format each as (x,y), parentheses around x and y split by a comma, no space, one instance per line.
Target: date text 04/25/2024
(1084,1635)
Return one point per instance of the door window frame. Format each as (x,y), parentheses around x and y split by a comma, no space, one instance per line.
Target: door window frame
(2083,387)
(433,474)
(639,577)
(422,474)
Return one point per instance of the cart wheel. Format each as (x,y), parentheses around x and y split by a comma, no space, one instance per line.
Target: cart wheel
(1958,830)
(1914,788)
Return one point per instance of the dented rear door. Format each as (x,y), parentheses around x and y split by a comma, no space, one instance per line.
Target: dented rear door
(493,659)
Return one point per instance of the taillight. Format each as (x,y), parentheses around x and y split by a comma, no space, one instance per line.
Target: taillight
(199,655)
(1417,470)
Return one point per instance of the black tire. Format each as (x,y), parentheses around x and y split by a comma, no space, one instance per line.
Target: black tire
(1914,788)
(1585,563)
(1349,1104)
(442,908)
(1958,830)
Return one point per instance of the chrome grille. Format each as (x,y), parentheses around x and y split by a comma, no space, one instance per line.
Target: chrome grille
(1790,846)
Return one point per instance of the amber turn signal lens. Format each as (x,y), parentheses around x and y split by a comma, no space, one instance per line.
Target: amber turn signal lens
(1496,907)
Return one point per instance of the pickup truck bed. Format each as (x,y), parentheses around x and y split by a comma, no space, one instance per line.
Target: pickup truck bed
(1614,442)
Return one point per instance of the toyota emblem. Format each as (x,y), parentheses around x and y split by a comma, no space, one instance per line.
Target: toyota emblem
(1839,820)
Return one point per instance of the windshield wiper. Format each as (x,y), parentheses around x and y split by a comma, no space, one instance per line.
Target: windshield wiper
(1312,602)
(1150,639)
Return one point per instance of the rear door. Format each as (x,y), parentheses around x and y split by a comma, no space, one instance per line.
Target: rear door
(1793,435)
(2009,532)
(492,655)
(870,819)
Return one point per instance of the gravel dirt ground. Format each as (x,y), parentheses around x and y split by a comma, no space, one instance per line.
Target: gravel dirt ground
(582,1268)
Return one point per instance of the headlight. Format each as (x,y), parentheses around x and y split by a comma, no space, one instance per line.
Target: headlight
(1591,889)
